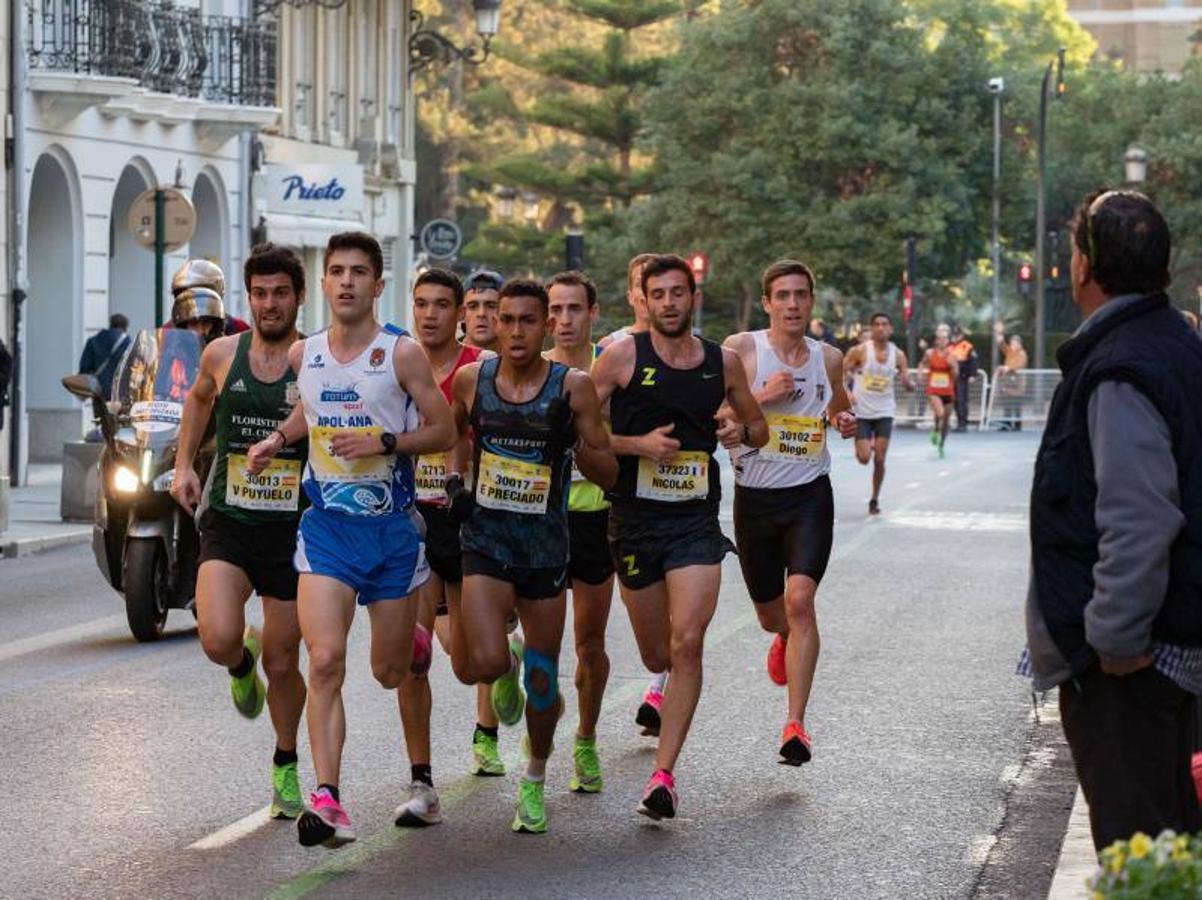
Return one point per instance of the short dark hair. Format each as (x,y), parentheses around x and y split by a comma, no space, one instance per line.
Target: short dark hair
(444,277)
(575,278)
(356,240)
(880,315)
(525,287)
(780,269)
(662,264)
(1126,240)
(272,259)
(485,280)
(117,320)
(636,262)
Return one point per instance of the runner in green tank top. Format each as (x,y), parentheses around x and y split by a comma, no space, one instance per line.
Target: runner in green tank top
(248,522)
(573,310)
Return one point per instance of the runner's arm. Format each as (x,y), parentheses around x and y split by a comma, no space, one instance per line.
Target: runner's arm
(613,369)
(839,409)
(291,430)
(903,369)
(463,389)
(742,403)
(437,431)
(198,407)
(593,454)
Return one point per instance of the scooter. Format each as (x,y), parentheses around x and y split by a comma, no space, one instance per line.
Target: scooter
(145,544)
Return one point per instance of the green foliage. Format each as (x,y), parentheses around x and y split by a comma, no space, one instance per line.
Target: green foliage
(1144,869)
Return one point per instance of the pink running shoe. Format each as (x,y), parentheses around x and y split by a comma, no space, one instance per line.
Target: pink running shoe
(659,797)
(423,651)
(776,661)
(1195,768)
(648,715)
(324,822)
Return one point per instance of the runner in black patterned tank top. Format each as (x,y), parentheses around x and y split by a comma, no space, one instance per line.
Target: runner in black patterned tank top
(665,388)
(248,531)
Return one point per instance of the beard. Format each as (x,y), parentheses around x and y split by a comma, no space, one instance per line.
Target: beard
(682,327)
(276,330)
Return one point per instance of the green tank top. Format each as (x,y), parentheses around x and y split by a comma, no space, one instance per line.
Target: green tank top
(247,411)
(583,495)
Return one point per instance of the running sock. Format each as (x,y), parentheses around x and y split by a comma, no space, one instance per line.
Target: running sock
(658,681)
(536,769)
(243,668)
(581,739)
(330,789)
(283,757)
(485,730)
(423,774)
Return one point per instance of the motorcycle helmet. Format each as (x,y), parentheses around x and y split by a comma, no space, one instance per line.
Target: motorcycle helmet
(197,273)
(199,304)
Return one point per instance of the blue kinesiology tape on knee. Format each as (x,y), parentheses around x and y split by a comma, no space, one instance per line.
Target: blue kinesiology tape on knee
(540,701)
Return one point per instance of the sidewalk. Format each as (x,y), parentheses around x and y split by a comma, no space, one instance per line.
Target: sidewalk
(33,521)
(1077,859)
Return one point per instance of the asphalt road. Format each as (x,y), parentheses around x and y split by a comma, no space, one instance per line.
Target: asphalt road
(119,759)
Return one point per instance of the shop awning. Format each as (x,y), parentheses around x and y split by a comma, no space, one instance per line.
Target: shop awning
(306,231)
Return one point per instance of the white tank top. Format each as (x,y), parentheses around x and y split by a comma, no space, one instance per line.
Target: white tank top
(796,452)
(873,388)
(360,395)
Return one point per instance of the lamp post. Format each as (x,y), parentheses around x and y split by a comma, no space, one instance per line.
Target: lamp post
(1041,214)
(1135,165)
(427,46)
(997,86)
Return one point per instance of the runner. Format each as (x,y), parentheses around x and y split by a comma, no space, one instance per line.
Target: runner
(480,309)
(360,538)
(784,508)
(634,296)
(437,312)
(573,310)
(248,523)
(665,388)
(520,409)
(874,365)
(942,372)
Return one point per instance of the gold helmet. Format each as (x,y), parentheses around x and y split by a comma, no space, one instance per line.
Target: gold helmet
(197,303)
(199,273)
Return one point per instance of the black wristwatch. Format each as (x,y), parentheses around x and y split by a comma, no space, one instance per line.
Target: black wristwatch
(388,441)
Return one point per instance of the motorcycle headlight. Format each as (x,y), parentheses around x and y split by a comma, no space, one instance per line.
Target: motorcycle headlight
(125,481)
(164,481)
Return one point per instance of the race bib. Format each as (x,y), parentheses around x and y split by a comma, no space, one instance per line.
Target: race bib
(276,488)
(940,380)
(683,477)
(875,384)
(328,467)
(794,439)
(430,478)
(512,485)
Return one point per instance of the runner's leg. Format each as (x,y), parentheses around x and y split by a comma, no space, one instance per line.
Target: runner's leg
(880,448)
(392,621)
(801,651)
(326,608)
(222,590)
(281,664)
(484,606)
(413,696)
(542,628)
(590,615)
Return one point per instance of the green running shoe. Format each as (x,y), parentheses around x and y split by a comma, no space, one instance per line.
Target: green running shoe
(286,800)
(934,437)
(531,816)
(941,454)
(508,698)
(249,692)
(587,779)
(486,759)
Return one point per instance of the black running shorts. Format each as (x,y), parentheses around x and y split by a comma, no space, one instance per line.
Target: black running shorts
(867,429)
(783,530)
(442,543)
(590,561)
(528,583)
(263,551)
(644,545)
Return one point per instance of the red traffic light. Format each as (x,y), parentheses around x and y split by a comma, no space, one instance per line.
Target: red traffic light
(1025,272)
(700,264)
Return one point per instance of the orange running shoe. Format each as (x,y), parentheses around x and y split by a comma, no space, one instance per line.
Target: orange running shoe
(776,661)
(795,745)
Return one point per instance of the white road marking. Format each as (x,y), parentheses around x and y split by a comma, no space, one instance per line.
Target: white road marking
(960,521)
(911,485)
(39,642)
(234,832)
(944,473)
(978,849)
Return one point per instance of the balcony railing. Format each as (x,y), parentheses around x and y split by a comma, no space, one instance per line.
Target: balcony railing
(164,47)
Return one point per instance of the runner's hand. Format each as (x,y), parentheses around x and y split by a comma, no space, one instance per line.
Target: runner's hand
(462,503)
(185,488)
(355,444)
(260,454)
(845,422)
(658,446)
(778,387)
(730,433)
(559,414)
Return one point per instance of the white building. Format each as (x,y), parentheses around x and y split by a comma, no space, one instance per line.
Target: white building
(1146,35)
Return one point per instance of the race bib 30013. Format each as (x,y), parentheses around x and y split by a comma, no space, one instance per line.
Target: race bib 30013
(430,478)
(794,439)
(683,477)
(512,485)
(276,488)
(328,467)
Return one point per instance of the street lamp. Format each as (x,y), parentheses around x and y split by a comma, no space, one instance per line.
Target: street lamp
(997,86)
(1135,165)
(530,199)
(505,197)
(1041,214)
(427,46)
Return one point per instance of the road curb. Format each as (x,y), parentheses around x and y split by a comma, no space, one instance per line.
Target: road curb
(1077,858)
(28,546)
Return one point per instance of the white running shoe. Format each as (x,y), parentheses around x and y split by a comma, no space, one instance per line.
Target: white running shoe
(421,809)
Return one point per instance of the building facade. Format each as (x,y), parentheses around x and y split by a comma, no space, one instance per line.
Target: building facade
(1145,35)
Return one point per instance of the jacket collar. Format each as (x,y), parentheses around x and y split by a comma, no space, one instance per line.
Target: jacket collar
(1072,351)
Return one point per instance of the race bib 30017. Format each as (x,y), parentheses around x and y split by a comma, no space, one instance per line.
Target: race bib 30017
(276,488)
(328,467)
(512,485)
(794,439)
(683,477)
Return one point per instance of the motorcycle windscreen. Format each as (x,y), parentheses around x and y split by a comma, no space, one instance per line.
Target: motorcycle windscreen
(154,380)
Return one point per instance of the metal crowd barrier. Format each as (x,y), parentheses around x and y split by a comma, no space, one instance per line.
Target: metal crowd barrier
(914,410)
(1021,398)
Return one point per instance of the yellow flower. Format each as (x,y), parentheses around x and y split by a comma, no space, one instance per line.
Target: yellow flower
(1140,845)
(1116,861)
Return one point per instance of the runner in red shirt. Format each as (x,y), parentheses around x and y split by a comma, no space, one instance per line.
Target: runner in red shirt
(942,371)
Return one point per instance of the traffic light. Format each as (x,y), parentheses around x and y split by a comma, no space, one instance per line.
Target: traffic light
(1026,275)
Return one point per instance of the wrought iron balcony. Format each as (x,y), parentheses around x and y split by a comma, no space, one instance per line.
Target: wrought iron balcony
(164,47)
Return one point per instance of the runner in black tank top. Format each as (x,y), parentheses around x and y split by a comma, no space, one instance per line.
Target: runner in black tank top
(665,388)
(526,413)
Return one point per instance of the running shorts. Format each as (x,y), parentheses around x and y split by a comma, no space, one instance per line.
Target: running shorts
(263,551)
(645,546)
(529,583)
(381,558)
(783,530)
(442,543)
(590,561)
(882,428)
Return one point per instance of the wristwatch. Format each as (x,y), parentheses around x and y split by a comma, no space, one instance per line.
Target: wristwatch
(388,441)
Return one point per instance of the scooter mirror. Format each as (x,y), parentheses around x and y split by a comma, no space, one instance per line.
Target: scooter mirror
(86,387)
